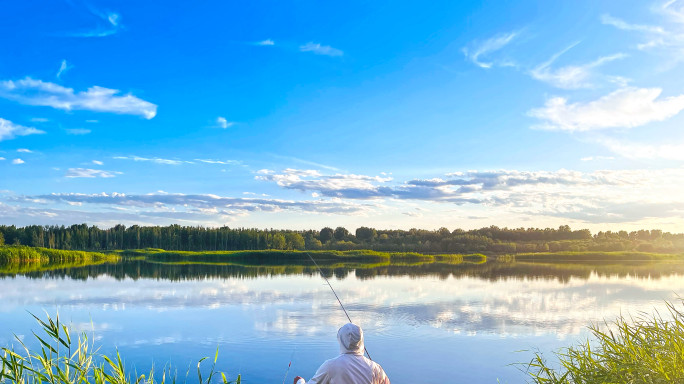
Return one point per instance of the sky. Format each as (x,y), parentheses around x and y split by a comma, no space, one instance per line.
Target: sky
(304,114)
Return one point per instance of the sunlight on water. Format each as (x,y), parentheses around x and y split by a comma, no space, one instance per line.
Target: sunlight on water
(454,327)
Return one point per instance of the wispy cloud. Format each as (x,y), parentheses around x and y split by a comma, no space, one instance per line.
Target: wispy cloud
(78,131)
(597,158)
(667,39)
(89,173)
(320,49)
(18,161)
(9,130)
(2,159)
(267,42)
(621,24)
(481,49)
(159,160)
(222,122)
(632,150)
(156,160)
(624,108)
(63,68)
(24,150)
(97,162)
(571,76)
(203,203)
(108,23)
(99,99)
(222,162)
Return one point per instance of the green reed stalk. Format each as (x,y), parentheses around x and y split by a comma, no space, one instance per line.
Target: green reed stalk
(648,349)
(62,360)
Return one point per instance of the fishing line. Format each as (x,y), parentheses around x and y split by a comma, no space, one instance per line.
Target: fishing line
(289,365)
(337,297)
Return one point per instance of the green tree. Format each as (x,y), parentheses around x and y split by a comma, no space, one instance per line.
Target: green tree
(294,240)
(326,234)
(310,242)
(366,234)
(278,241)
(2,239)
(341,233)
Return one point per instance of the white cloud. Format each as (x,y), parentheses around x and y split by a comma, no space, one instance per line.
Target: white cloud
(108,24)
(223,162)
(92,121)
(113,19)
(156,160)
(621,24)
(39,120)
(596,158)
(78,131)
(24,150)
(604,196)
(63,67)
(624,108)
(97,162)
(667,39)
(99,99)
(484,48)
(201,205)
(338,185)
(9,130)
(2,158)
(224,123)
(571,76)
(90,173)
(630,150)
(18,161)
(320,49)
(267,42)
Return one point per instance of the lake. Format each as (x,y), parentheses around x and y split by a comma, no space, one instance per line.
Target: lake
(429,323)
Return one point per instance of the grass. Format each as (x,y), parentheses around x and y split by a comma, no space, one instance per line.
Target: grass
(22,259)
(65,360)
(595,256)
(645,350)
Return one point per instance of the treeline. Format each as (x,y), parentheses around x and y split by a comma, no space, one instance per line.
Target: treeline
(490,239)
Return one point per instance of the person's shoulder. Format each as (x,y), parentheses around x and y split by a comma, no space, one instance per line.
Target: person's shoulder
(379,375)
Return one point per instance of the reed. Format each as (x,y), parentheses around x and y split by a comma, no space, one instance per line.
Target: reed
(63,359)
(648,349)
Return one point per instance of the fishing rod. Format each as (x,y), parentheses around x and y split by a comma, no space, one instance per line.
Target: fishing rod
(337,297)
(289,365)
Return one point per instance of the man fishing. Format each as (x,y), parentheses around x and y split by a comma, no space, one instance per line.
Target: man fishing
(351,366)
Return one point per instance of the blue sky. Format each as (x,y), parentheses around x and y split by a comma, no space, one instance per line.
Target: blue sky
(305,114)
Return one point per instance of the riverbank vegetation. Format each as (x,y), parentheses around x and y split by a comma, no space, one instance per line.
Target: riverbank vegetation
(63,359)
(645,350)
(484,240)
(23,259)
(294,257)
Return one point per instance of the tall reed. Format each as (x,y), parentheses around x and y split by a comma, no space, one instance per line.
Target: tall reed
(64,360)
(648,349)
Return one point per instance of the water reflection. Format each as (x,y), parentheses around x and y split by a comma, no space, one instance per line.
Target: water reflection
(469,316)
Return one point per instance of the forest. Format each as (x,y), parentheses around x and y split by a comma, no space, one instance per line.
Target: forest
(197,238)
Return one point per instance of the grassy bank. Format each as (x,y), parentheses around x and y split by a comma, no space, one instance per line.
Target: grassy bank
(276,257)
(21,259)
(595,256)
(642,350)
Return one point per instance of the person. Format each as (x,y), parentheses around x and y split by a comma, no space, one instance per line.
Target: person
(351,366)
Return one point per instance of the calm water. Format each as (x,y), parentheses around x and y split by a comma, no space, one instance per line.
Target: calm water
(427,324)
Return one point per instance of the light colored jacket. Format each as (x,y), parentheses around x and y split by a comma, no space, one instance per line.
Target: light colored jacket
(351,366)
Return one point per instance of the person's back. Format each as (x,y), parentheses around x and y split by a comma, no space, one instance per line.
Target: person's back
(350,367)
